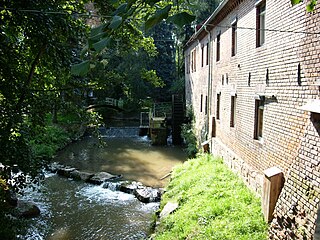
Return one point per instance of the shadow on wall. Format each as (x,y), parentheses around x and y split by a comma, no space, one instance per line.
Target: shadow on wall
(317,233)
(315,119)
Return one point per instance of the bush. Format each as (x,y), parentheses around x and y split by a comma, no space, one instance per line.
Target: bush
(45,144)
(189,136)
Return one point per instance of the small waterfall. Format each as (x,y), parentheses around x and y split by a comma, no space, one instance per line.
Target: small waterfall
(119,132)
(113,186)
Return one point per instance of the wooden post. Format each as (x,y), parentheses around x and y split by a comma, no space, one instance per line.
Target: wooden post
(272,185)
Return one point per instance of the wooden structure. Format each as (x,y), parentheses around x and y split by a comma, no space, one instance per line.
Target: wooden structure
(158,131)
(272,186)
(107,102)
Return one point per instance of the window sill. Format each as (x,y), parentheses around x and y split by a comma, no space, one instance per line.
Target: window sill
(261,48)
(259,141)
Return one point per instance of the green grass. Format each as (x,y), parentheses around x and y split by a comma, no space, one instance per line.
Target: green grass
(214,203)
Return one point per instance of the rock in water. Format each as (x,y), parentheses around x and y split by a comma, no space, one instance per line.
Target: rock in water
(66,171)
(130,187)
(147,195)
(101,177)
(27,209)
(53,167)
(79,175)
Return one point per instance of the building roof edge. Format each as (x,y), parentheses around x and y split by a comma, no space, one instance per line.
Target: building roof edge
(203,27)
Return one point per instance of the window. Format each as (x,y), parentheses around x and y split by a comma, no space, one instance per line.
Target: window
(234,39)
(218,106)
(207,54)
(233,111)
(258,123)
(202,55)
(193,60)
(261,23)
(206,106)
(213,127)
(201,100)
(218,48)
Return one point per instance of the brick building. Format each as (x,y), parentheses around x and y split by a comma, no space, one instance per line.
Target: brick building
(253,81)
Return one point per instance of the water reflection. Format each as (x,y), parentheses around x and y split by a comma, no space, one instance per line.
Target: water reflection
(134,158)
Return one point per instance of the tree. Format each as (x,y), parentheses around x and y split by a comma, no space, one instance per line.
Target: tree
(39,42)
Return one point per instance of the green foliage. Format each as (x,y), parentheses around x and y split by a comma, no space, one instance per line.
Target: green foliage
(310,6)
(189,136)
(181,19)
(214,203)
(45,144)
(178,86)
(80,69)
(159,15)
(151,77)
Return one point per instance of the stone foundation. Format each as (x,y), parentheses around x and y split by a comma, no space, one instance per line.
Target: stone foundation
(252,177)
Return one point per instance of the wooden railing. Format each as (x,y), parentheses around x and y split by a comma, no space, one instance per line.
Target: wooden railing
(105,102)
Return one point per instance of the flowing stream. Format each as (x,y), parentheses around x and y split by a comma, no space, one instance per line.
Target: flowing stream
(78,210)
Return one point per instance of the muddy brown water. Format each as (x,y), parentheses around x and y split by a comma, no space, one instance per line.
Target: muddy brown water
(134,158)
(77,210)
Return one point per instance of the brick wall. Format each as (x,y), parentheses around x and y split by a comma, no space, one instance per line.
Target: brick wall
(283,72)
(197,86)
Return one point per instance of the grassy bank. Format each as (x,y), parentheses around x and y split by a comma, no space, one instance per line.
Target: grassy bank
(214,203)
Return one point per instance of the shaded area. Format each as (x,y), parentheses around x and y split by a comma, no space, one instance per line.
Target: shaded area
(134,158)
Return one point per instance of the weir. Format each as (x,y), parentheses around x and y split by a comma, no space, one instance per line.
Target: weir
(119,132)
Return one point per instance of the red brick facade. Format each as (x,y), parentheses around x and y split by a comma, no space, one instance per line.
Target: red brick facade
(256,98)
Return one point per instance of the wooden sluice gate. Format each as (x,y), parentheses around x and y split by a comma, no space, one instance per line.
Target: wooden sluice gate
(158,131)
(163,119)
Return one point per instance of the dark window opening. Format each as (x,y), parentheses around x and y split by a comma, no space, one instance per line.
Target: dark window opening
(261,23)
(259,114)
(206,105)
(202,56)
(233,111)
(218,106)
(207,54)
(234,39)
(218,47)
(213,127)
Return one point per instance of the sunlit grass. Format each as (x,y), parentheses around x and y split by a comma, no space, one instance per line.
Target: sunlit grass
(214,203)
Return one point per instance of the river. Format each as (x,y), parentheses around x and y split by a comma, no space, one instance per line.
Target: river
(78,210)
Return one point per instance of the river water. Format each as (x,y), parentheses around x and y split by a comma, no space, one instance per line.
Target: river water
(78,210)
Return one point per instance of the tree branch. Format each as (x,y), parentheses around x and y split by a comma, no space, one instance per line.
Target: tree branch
(30,76)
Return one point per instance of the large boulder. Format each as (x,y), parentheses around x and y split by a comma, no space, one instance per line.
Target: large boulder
(101,177)
(27,209)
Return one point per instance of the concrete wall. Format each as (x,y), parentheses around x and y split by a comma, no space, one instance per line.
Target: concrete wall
(290,139)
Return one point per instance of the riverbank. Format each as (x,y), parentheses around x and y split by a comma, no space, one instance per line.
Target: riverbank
(213,203)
